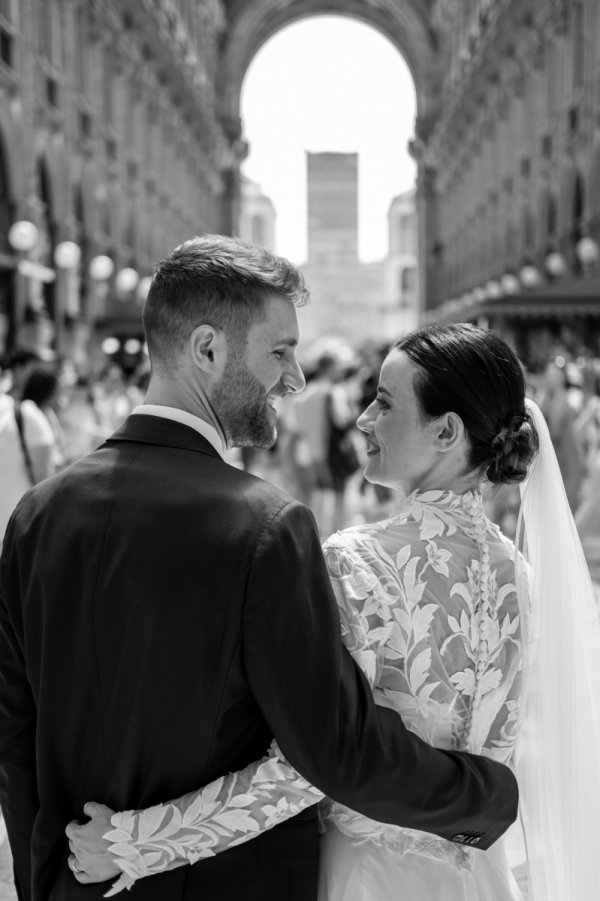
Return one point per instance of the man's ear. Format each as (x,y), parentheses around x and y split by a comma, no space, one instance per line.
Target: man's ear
(449,432)
(208,351)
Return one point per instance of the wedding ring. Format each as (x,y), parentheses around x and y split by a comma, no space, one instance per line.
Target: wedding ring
(75,866)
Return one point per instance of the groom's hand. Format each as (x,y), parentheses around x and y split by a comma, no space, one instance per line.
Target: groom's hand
(90,860)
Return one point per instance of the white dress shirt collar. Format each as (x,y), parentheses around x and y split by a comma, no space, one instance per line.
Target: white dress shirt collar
(200,425)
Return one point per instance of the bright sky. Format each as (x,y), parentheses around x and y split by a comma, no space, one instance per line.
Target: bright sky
(329,83)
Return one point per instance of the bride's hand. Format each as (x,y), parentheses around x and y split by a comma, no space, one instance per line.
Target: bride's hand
(90,860)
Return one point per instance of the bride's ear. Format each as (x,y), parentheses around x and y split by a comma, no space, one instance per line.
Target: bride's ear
(449,432)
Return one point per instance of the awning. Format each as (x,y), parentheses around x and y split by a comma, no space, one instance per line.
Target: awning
(537,307)
(563,300)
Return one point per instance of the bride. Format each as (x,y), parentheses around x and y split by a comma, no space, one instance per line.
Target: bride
(480,644)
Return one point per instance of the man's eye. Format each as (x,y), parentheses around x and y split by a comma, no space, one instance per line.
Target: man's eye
(278,354)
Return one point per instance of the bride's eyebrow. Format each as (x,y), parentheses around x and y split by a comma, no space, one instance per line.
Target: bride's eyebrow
(387,393)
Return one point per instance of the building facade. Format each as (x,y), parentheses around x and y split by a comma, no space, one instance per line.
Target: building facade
(120,135)
(513,169)
(111,152)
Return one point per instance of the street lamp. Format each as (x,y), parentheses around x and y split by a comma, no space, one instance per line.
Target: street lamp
(529,276)
(101,268)
(509,283)
(67,255)
(23,236)
(126,280)
(555,264)
(587,252)
(493,290)
(111,346)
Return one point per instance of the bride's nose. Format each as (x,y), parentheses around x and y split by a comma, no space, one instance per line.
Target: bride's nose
(365,420)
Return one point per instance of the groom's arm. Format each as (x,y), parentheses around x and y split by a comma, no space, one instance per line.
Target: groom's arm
(18,783)
(321,709)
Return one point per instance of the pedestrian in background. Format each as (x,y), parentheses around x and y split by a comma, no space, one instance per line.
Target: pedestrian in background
(42,388)
(560,416)
(26,442)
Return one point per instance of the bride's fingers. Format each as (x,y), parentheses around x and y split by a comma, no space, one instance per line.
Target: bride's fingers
(94,809)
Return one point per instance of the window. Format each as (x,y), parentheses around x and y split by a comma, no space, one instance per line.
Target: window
(80,51)
(49,32)
(6,47)
(108,89)
(407,281)
(578,44)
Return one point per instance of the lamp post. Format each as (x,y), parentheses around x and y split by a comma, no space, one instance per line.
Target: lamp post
(100,269)
(67,257)
(529,276)
(587,253)
(492,289)
(126,281)
(509,283)
(22,237)
(555,264)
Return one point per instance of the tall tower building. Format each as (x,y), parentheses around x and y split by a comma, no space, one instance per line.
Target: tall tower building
(332,208)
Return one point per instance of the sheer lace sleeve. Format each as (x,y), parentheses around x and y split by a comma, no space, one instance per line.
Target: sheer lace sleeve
(227,812)
(240,806)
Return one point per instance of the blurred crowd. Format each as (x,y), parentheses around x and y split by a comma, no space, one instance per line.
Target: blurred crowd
(51,414)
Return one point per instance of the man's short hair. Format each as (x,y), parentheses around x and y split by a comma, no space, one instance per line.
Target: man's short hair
(214,280)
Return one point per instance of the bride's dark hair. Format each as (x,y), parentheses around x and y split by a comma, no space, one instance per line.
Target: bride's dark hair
(474,373)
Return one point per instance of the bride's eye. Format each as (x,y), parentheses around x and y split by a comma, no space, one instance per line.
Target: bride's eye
(383,403)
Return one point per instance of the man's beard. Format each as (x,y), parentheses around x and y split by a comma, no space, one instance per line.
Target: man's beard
(240,402)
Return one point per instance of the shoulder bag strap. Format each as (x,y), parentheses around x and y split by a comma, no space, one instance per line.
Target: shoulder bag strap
(26,457)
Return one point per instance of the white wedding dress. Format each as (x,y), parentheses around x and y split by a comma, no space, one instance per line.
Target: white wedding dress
(429,611)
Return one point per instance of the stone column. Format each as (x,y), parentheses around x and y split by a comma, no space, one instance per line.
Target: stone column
(231,175)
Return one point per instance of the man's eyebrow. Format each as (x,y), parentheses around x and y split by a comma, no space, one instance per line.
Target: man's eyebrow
(289,342)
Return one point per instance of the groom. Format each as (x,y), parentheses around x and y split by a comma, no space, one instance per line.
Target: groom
(164,614)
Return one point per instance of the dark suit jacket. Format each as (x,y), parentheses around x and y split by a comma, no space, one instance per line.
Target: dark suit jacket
(163,615)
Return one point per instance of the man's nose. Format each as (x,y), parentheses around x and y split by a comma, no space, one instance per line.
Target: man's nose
(294,379)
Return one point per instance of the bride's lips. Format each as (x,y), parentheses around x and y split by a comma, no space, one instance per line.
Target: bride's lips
(372,449)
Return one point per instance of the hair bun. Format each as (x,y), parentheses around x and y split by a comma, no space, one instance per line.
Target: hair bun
(513,449)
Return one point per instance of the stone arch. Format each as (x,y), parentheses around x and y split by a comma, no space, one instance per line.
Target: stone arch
(50,155)
(252,22)
(547,220)
(572,198)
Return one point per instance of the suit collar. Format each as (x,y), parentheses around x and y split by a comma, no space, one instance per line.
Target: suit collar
(164,432)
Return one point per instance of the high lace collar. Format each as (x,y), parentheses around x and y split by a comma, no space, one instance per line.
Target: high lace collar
(443,506)
(470,502)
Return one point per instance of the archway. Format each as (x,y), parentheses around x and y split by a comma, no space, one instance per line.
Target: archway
(252,22)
